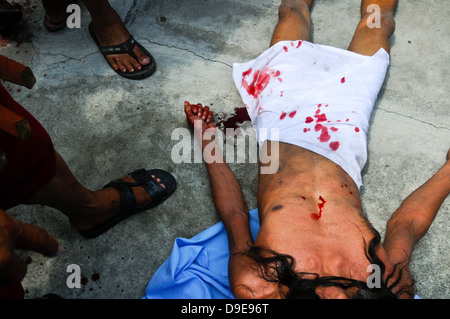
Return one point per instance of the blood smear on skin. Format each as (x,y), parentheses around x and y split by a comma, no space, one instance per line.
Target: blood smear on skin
(321,204)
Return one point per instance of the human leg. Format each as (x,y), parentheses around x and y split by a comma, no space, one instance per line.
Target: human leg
(110,30)
(294,21)
(85,209)
(55,14)
(370,36)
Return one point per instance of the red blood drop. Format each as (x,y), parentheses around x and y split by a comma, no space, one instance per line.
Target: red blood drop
(334,146)
(324,137)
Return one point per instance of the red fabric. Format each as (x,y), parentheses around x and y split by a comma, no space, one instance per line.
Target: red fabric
(12,292)
(31,163)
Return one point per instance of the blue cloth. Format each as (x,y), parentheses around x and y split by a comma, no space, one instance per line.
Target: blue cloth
(198,267)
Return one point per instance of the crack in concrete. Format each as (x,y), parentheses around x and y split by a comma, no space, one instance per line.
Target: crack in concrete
(187,50)
(130,15)
(413,118)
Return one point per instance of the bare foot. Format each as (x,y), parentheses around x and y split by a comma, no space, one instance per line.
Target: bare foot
(115,34)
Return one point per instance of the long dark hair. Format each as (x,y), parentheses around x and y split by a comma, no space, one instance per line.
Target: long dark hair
(279,268)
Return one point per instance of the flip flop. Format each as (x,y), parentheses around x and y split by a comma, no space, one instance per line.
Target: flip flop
(128,205)
(126,47)
(9,16)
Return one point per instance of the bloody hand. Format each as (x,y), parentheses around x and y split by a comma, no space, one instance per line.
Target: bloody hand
(196,112)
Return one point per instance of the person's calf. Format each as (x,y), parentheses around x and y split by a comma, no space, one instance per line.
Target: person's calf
(382,22)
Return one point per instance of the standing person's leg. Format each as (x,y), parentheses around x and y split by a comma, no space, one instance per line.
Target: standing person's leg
(110,30)
(294,21)
(110,34)
(55,14)
(87,209)
(373,32)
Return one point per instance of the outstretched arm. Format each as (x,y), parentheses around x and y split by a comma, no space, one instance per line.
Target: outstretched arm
(226,191)
(414,216)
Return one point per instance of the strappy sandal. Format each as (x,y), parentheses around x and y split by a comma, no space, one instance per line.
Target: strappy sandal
(128,204)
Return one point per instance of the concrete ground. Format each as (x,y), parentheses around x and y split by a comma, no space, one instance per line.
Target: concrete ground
(105,126)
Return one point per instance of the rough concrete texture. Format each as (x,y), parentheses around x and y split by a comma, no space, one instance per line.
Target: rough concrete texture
(105,126)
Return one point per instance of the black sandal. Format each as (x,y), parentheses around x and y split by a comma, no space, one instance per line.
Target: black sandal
(128,205)
(127,47)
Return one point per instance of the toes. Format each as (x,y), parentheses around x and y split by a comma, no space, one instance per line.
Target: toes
(113,62)
(136,65)
(124,63)
(143,59)
(158,181)
(120,64)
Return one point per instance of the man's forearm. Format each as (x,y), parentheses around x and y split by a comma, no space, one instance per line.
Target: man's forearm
(229,202)
(419,209)
(226,190)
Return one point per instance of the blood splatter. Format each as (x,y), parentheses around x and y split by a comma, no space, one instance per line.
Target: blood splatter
(343,80)
(283,115)
(292,114)
(324,136)
(240,116)
(299,44)
(260,80)
(334,146)
(318,127)
(356,129)
(246,73)
(320,117)
(95,277)
(321,204)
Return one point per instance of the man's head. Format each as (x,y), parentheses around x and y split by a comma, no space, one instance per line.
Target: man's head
(279,268)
